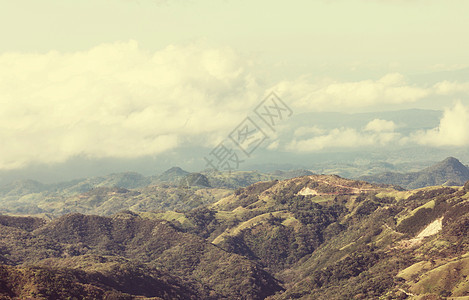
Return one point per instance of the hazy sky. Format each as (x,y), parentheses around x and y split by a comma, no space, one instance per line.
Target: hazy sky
(129,79)
(416,35)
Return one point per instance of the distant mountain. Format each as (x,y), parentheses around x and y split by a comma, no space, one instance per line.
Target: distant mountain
(195,179)
(22,187)
(447,172)
(239,179)
(107,201)
(281,175)
(172,175)
(225,180)
(127,180)
(174,189)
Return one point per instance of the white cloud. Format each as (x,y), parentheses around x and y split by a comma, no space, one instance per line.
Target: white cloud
(118,100)
(343,138)
(453,129)
(302,131)
(376,133)
(334,95)
(378,125)
(273,146)
(448,88)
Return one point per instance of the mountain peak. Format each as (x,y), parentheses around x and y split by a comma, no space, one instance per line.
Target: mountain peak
(175,170)
(195,179)
(451,160)
(173,174)
(449,171)
(449,164)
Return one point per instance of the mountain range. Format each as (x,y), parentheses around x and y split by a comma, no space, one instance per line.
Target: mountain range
(180,190)
(309,237)
(174,189)
(250,235)
(447,172)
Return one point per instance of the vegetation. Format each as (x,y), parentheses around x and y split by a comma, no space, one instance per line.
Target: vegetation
(310,237)
(450,172)
(174,189)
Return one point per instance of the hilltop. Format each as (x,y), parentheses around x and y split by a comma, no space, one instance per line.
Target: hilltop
(174,189)
(449,172)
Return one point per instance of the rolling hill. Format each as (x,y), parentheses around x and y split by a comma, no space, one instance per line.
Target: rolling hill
(174,189)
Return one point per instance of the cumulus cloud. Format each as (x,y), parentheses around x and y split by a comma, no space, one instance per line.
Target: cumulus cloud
(448,88)
(332,95)
(273,146)
(453,129)
(378,125)
(301,131)
(118,100)
(376,133)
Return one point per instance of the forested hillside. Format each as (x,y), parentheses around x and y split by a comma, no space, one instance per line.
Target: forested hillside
(316,236)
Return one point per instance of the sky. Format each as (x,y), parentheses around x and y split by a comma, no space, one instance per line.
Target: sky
(128,79)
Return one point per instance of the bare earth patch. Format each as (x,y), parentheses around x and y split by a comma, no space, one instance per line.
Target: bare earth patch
(307,191)
(431,229)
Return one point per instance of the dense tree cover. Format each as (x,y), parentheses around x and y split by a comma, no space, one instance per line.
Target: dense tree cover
(157,245)
(204,221)
(120,282)
(25,223)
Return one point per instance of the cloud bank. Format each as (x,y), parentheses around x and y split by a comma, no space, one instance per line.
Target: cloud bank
(332,95)
(376,133)
(121,101)
(453,129)
(118,100)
